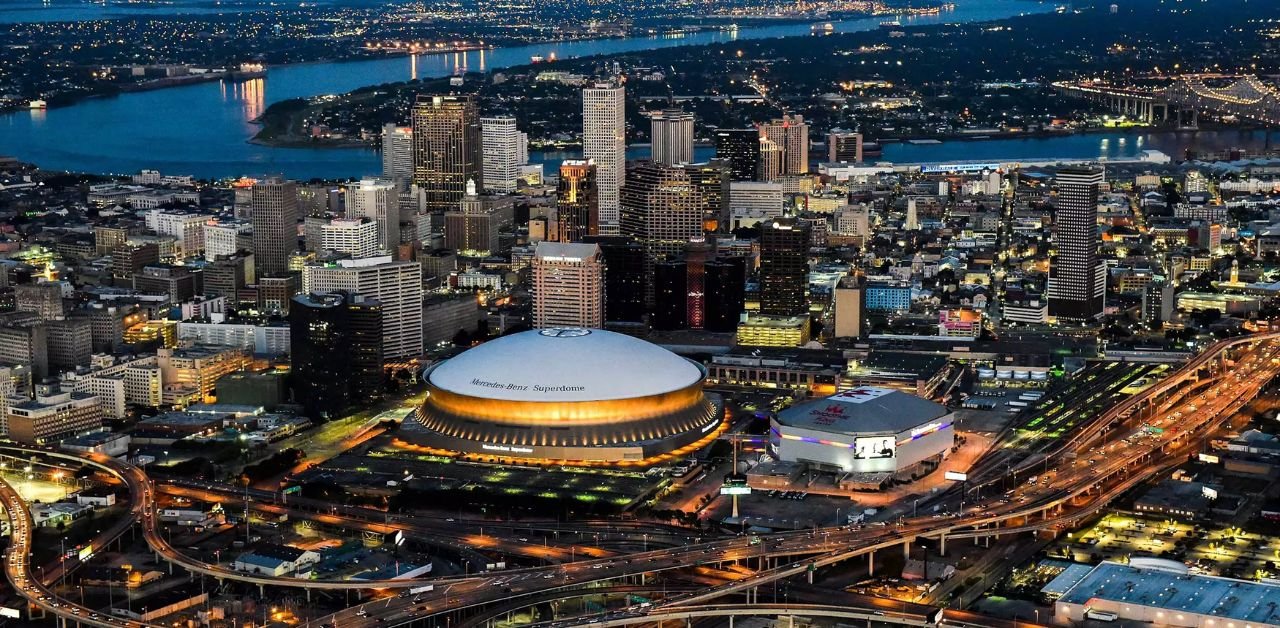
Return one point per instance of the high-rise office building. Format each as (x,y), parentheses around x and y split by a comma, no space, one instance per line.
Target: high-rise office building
(379,201)
(1077,278)
(1157,302)
(504,150)
(624,277)
(568,285)
(740,149)
(784,268)
(357,237)
(791,134)
(844,146)
(711,179)
(662,210)
(396,285)
(849,308)
(274,202)
(671,134)
(335,352)
(397,153)
(577,201)
(670,295)
(222,238)
(446,149)
(725,283)
(604,141)
(473,226)
(770,166)
(697,254)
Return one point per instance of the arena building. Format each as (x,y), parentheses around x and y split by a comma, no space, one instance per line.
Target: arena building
(866,430)
(576,396)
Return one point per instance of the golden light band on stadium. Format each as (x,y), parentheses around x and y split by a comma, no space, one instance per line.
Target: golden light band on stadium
(590,396)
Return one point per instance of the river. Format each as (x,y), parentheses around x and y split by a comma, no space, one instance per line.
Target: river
(203,129)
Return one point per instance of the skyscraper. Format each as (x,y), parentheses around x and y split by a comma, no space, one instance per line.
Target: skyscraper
(1077,278)
(446,149)
(625,279)
(577,201)
(396,285)
(725,282)
(473,225)
(568,285)
(740,149)
(502,144)
(357,237)
(671,134)
(784,268)
(604,141)
(397,153)
(335,352)
(791,134)
(712,181)
(377,200)
(662,210)
(670,295)
(844,146)
(275,225)
(770,164)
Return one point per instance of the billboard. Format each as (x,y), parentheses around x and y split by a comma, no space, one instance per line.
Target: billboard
(873,447)
(955,476)
(735,484)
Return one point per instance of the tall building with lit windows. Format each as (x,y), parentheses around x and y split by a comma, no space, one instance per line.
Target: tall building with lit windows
(784,268)
(1077,278)
(577,201)
(446,149)
(397,153)
(671,136)
(274,202)
(379,201)
(791,134)
(662,210)
(335,351)
(740,149)
(604,141)
(568,285)
(396,285)
(503,149)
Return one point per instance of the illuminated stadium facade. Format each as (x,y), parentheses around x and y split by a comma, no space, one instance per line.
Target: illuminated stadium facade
(868,430)
(568,396)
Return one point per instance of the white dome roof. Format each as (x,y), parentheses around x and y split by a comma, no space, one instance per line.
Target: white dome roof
(565,365)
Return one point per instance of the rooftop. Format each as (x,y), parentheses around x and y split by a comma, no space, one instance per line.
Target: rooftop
(863,410)
(1227,598)
(565,365)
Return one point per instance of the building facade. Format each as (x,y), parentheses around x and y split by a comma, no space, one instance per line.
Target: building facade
(604,142)
(1077,277)
(568,285)
(446,149)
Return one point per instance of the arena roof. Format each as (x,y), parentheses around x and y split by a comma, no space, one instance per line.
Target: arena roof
(863,410)
(565,365)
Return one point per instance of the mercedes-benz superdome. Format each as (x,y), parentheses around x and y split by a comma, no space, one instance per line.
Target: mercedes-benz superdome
(568,396)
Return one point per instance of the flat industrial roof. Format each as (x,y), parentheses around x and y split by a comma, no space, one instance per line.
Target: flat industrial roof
(863,410)
(1226,598)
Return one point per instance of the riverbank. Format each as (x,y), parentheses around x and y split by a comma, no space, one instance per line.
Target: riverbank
(209,138)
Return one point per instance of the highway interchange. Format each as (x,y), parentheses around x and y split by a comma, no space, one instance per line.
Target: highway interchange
(1075,478)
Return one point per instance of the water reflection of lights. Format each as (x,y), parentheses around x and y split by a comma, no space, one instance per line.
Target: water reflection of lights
(253,94)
